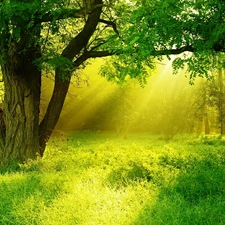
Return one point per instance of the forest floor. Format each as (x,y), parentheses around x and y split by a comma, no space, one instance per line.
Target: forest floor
(98,178)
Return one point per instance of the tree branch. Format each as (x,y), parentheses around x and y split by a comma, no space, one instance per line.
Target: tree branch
(62,14)
(177,51)
(97,46)
(99,54)
(90,54)
(67,13)
(110,23)
(187,48)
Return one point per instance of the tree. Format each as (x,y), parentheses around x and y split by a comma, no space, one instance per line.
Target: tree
(123,111)
(174,109)
(216,96)
(211,104)
(38,36)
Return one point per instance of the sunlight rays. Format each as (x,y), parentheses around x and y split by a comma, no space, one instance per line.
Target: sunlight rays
(102,105)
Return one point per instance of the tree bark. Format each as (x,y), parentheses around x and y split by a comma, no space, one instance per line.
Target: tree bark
(22,81)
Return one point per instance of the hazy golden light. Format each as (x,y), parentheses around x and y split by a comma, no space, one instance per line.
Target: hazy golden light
(102,105)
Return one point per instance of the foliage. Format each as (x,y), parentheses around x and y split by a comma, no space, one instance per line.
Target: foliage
(193,30)
(138,181)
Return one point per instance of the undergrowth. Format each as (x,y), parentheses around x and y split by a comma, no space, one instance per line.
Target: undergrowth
(98,178)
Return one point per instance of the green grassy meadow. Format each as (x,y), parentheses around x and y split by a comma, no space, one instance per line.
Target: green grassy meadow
(99,178)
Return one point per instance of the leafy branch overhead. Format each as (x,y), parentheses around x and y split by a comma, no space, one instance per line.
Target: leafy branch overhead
(56,20)
(192,30)
(140,31)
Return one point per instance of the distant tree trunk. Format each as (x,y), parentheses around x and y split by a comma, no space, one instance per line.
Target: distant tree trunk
(221,101)
(207,126)
(22,81)
(222,127)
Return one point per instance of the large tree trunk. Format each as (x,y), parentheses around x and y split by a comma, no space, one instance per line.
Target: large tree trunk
(22,81)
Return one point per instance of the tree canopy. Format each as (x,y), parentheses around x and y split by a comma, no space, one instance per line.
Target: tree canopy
(192,30)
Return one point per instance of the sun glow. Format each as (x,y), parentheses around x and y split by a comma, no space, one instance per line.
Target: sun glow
(101,105)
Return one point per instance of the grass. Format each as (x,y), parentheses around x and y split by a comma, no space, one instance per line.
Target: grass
(99,178)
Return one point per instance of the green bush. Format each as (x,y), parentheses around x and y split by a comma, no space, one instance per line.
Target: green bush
(132,172)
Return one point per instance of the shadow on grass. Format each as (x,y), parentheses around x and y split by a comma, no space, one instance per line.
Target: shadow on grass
(196,196)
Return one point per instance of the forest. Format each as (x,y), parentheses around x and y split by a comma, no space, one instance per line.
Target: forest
(112,112)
